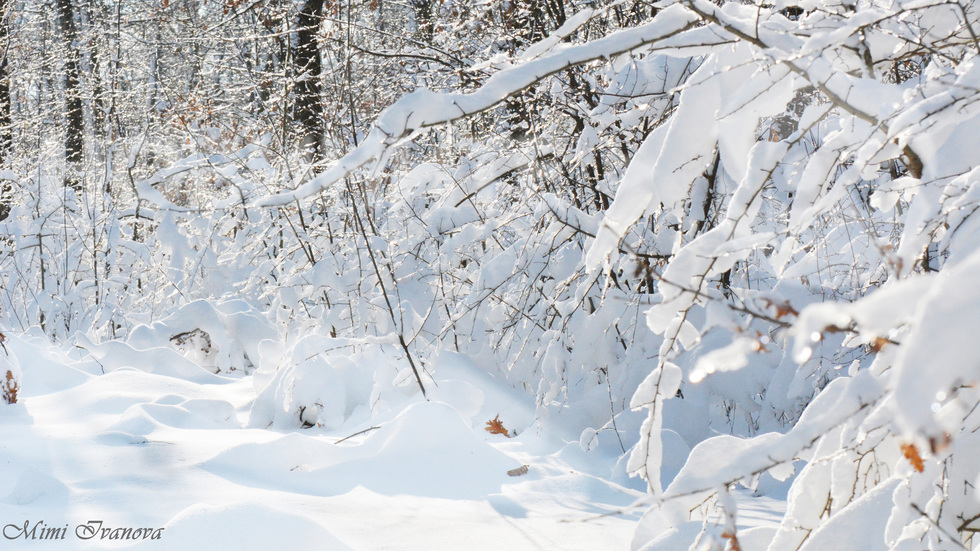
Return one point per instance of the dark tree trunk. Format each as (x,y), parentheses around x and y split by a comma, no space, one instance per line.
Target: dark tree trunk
(74,122)
(423,20)
(6,142)
(308,110)
(96,15)
(5,131)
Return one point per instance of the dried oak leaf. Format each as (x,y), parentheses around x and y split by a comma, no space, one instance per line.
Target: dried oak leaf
(912,454)
(878,343)
(733,541)
(10,388)
(782,309)
(494,426)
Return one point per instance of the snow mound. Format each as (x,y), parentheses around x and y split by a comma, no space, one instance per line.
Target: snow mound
(246,526)
(428,450)
(115,355)
(320,382)
(37,487)
(49,369)
(142,419)
(131,443)
(220,336)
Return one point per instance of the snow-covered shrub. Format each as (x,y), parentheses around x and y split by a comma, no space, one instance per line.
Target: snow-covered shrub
(811,296)
(320,381)
(221,335)
(803,167)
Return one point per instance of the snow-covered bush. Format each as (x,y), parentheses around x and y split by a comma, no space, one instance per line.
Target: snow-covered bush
(807,169)
(222,335)
(818,267)
(320,381)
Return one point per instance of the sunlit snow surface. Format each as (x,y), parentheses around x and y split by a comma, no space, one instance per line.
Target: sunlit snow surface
(147,446)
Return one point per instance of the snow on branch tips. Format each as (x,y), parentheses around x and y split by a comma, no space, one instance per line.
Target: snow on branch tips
(803,190)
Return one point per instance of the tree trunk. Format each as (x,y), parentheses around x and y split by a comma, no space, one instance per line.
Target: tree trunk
(6,141)
(74,123)
(423,20)
(306,56)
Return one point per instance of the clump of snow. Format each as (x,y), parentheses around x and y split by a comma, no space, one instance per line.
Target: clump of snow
(321,382)
(222,336)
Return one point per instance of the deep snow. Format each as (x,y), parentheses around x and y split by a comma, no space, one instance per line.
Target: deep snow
(146,438)
(142,446)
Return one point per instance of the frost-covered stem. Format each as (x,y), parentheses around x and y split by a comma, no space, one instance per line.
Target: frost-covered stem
(384,291)
(305,243)
(612,409)
(95,261)
(130,165)
(651,472)
(709,196)
(40,242)
(367,211)
(952,537)
(728,505)
(969,27)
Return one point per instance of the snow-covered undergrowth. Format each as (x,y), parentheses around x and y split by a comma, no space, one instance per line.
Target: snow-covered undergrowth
(139,435)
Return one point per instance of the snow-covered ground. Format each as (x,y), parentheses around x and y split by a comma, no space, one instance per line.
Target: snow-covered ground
(158,445)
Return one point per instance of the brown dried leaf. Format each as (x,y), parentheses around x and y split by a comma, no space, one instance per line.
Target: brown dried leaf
(495,426)
(784,309)
(10,388)
(878,344)
(912,454)
(518,471)
(733,541)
